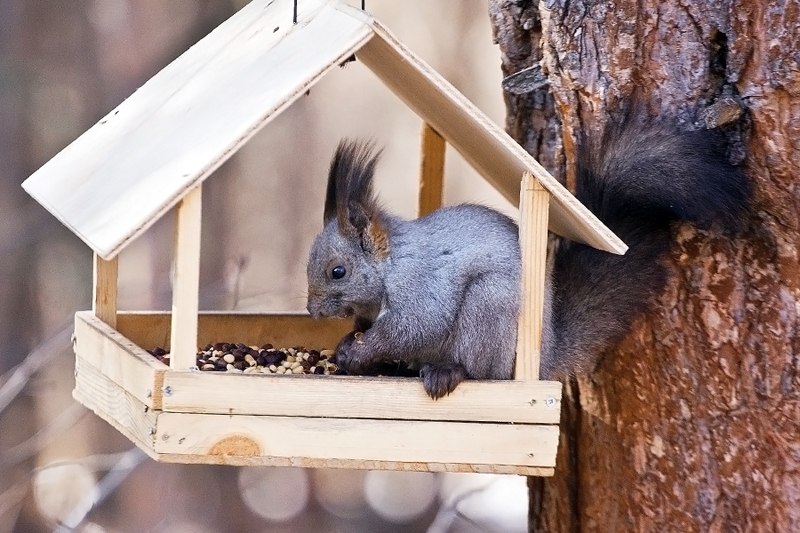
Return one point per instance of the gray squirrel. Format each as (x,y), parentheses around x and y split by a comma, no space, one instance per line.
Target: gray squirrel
(442,292)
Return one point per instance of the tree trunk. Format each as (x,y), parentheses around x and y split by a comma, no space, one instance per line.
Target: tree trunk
(692,422)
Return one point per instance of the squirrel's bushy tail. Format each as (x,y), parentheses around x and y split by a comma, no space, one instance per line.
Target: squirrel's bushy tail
(638,179)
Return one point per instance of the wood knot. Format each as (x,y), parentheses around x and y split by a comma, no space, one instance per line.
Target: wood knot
(239,445)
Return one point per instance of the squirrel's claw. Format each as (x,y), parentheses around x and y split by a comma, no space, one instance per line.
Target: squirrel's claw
(440,380)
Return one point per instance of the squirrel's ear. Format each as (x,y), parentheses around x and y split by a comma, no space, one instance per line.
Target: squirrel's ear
(350,199)
(365,222)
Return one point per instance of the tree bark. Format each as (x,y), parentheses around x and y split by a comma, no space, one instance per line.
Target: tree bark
(692,422)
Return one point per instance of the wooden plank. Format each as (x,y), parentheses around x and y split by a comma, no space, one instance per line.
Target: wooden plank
(122,361)
(115,405)
(245,440)
(136,163)
(431,182)
(305,462)
(186,282)
(483,144)
(104,289)
(324,439)
(152,329)
(534,201)
(532,402)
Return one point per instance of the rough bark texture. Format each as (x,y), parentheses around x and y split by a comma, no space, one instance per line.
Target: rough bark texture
(692,422)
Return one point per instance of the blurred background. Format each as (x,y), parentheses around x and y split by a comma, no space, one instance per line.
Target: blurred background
(63,65)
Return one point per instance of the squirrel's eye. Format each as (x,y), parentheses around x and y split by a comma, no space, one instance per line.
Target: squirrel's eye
(338,272)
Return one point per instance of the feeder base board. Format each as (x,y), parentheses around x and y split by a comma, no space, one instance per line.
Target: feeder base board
(302,420)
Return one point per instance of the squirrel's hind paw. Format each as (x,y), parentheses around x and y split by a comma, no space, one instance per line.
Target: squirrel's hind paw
(440,380)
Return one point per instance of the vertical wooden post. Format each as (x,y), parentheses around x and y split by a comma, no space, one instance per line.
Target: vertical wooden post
(431,179)
(533,220)
(104,291)
(186,282)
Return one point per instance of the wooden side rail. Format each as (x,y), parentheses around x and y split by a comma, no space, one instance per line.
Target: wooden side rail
(104,289)
(533,219)
(186,282)
(431,178)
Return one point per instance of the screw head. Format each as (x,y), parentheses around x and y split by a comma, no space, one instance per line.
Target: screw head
(167,391)
(550,401)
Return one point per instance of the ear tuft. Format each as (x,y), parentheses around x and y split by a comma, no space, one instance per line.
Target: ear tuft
(350,178)
(350,198)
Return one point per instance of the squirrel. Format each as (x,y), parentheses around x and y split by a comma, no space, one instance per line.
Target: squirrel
(443,292)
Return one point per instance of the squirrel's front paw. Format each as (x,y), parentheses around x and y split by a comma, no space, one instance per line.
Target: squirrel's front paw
(441,380)
(349,356)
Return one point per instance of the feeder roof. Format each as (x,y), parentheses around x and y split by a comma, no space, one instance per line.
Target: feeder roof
(137,162)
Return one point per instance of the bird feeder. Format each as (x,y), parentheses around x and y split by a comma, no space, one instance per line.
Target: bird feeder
(152,153)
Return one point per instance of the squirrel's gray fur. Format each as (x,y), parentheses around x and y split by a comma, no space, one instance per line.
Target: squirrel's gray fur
(443,291)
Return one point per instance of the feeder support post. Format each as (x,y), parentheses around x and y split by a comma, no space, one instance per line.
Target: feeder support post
(431,178)
(533,220)
(186,282)
(104,289)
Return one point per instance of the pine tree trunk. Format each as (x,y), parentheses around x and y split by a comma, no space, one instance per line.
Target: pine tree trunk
(692,423)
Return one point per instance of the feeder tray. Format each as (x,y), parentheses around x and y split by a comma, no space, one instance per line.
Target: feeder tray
(153,152)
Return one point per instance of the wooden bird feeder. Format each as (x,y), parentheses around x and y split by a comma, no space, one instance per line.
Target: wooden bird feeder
(153,152)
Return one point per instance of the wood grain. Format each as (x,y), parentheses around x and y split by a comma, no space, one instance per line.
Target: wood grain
(115,405)
(318,442)
(322,439)
(534,202)
(431,178)
(306,462)
(150,329)
(136,163)
(119,359)
(532,402)
(252,419)
(159,143)
(186,282)
(104,289)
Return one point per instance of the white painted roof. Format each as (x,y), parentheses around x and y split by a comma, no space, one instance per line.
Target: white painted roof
(130,168)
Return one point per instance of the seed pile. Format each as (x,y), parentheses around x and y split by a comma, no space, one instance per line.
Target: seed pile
(229,357)
(238,357)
